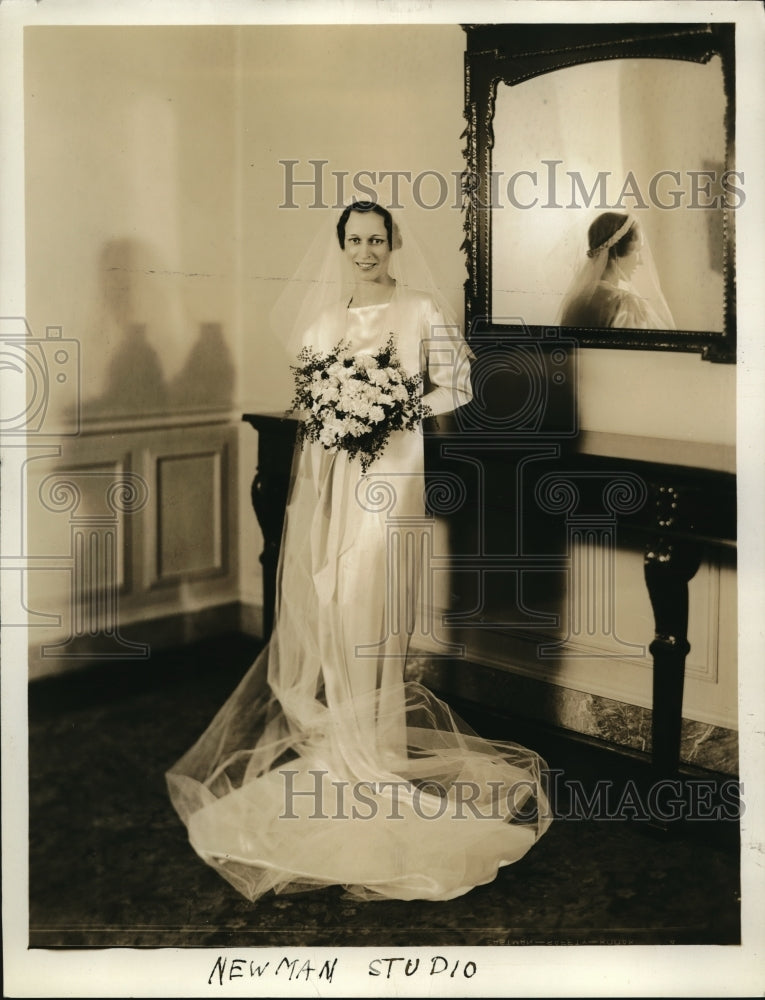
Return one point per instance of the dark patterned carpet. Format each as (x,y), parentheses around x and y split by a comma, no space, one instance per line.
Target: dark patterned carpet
(110,865)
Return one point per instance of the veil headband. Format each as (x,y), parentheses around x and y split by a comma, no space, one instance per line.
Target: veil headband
(614,238)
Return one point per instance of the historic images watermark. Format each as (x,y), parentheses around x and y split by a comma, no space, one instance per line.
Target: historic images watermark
(527,800)
(529,426)
(547,185)
(42,407)
(43,380)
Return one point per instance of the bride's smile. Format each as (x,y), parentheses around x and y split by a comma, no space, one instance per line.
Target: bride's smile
(367,247)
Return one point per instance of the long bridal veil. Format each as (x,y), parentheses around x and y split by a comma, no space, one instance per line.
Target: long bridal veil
(326,766)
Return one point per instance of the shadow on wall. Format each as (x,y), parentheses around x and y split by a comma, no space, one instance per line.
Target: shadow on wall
(135,372)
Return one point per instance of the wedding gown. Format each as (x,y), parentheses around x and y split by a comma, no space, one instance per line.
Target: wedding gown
(325,767)
(611,305)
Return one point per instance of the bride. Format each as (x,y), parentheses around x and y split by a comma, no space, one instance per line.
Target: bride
(326,766)
(616,286)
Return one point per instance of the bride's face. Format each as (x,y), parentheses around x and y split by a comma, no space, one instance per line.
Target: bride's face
(633,260)
(366,246)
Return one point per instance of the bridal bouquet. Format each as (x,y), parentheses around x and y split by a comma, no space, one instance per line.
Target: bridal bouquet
(353,402)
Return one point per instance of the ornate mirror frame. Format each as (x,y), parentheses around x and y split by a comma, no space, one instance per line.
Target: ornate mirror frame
(512,54)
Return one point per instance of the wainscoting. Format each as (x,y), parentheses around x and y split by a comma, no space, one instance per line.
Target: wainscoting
(594,680)
(132,540)
(141,536)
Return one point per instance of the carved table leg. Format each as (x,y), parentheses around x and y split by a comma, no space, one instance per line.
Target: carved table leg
(269,557)
(668,568)
(269,493)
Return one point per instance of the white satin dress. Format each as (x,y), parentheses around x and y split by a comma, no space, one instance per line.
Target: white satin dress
(613,305)
(324,766)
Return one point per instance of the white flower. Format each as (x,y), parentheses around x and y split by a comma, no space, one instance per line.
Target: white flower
(331,432)
(330,393)
(365,362)
(351,394)
(361,408)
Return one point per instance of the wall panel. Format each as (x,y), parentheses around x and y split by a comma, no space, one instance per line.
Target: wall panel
(129,528)
(189,523)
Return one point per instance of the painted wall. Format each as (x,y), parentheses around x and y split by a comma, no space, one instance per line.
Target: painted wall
(133,252)
(131,236)
(366,100)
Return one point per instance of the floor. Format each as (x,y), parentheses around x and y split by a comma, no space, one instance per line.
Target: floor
(110,865)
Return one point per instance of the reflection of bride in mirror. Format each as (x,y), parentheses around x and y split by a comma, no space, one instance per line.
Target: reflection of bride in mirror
(617,284)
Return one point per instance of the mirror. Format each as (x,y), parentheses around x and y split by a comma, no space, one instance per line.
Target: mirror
(612,139)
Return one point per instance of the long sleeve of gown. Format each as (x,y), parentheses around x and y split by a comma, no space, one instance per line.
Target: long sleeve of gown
(448,366)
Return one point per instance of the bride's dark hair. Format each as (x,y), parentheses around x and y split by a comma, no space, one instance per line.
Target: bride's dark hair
(365,206)
(604,227)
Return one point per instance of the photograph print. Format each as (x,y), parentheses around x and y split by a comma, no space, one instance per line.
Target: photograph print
(372,436)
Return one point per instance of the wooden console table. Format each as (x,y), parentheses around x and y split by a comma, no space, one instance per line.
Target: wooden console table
(691,506)
(689,503)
